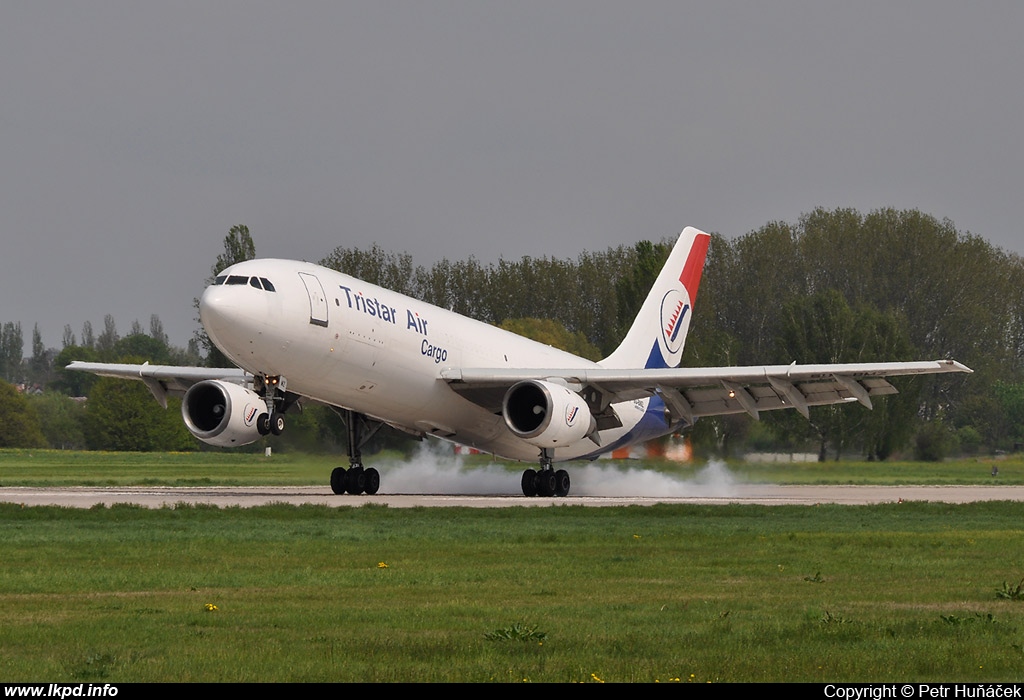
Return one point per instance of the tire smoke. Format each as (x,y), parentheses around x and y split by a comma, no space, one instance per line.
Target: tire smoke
(435,470)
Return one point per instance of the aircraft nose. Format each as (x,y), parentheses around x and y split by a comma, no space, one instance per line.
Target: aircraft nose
(219,309)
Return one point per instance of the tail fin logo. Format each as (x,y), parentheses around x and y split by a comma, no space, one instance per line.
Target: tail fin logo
(674,308)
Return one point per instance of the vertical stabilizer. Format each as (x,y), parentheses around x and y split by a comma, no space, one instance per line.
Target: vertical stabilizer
(656,338)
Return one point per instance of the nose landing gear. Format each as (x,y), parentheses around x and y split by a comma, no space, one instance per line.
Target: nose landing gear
(273,389)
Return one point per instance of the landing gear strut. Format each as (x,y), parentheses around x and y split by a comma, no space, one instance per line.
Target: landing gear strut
(356,480)
(274,391)
(546,481)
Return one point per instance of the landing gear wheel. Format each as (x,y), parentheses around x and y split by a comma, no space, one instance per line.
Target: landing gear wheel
(530,482)
(277,423)
(339,479)
(263,424)
(546,483)
(561,483)
(372,481)
(360,430)
(356,481)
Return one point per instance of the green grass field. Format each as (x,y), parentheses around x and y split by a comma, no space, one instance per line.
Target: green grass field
(71,468)
(727,593)
(895,592)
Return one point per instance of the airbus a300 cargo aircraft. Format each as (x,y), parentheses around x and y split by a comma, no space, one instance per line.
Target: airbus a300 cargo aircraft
(300,332)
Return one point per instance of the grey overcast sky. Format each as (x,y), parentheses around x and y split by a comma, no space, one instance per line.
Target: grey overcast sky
(134,135)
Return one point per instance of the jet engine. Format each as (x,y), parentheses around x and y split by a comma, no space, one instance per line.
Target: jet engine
(546,414)
(223,414)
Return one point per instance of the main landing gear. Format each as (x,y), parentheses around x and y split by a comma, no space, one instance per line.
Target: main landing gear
(356,480)
(546,481)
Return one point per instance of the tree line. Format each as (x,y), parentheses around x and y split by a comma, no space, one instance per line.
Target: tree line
(835,286)
(44,405)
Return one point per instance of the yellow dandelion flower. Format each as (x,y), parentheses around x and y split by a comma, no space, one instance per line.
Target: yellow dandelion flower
(210,607)
(382,565)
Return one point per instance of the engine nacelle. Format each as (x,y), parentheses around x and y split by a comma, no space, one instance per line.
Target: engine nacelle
(546,414)
(222,414)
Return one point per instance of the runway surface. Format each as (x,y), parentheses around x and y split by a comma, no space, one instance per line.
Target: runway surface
(248,496)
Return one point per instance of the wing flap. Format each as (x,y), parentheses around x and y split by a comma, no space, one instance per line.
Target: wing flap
(717,400)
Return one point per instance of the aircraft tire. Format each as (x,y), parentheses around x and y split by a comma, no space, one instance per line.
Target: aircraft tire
(372,481)
(561,483)
(277,423)
(546,483)
(356,481)
(339,479)
(529,483)
(263,424)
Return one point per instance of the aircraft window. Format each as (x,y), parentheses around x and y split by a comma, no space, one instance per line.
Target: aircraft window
(267,285)
(237,279)
(255,282)
(220,279)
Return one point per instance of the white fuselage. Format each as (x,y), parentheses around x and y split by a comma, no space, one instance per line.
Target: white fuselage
(351,344)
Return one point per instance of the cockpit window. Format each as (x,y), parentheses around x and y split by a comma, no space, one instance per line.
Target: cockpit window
(257,282)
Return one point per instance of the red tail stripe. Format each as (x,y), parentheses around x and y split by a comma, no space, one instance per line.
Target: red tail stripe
(694,267)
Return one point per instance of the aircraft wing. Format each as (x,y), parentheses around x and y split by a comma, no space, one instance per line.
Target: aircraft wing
(708,391)
(163,379)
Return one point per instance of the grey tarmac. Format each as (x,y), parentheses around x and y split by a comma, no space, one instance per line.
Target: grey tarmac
(249,496)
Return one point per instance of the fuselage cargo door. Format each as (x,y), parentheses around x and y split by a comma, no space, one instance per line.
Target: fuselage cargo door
(317,299)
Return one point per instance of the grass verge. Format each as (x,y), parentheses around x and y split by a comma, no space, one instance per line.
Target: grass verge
(73,468)
(896,592)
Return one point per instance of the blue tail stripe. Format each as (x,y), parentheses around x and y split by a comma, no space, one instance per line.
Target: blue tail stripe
(679,322)
(656,360)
